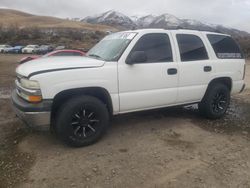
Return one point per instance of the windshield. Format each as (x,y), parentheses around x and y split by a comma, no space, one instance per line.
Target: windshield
(112,46)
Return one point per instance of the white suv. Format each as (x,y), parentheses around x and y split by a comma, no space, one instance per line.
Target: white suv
(126,72)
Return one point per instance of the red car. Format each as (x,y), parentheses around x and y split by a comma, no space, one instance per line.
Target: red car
(55,53)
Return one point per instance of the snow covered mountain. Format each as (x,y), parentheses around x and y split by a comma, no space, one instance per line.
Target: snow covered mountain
(144,21)
(112,18)
(166,21)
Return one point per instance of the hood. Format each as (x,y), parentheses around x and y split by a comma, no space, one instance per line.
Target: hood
(51,64)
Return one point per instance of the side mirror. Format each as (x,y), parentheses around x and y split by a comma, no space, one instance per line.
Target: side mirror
(136,57)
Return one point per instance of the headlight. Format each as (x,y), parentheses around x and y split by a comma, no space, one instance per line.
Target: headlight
(29,84)
(29,90)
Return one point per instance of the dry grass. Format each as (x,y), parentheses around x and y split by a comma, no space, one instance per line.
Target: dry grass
(23,20)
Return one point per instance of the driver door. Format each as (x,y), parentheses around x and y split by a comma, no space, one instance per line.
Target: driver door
(152,82)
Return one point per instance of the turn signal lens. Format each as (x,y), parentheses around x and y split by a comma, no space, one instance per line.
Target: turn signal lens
(35,98)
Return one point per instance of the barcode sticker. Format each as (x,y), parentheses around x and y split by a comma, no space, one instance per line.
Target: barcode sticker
(122,35)
(229,55)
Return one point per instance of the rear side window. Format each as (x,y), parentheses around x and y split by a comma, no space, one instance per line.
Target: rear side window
(156,46)
(191,47)
(225,47)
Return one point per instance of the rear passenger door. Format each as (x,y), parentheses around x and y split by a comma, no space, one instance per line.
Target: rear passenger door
(195,68)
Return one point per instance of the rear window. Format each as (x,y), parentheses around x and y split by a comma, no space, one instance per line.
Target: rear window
(225,47)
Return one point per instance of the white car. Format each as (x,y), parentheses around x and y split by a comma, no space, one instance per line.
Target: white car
(4,47)
(126,72)
(30,49)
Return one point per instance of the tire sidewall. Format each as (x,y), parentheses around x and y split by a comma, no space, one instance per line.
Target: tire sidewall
(206,104)
(64,118)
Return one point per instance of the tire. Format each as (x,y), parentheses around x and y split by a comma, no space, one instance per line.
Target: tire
(82,121)
(215,102)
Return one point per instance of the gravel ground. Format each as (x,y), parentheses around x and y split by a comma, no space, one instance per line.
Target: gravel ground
(172,147)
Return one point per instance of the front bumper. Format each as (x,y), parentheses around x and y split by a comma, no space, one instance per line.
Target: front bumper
(34,115)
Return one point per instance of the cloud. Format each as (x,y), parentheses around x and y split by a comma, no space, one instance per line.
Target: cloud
(232,13)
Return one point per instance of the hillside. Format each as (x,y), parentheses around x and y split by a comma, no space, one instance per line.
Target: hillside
(20,28)
(10,18)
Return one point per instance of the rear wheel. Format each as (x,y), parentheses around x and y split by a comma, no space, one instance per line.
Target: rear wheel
(216,101)
(82,121)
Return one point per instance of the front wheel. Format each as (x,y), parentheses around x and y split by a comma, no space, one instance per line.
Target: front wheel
(216,101)
(82,121)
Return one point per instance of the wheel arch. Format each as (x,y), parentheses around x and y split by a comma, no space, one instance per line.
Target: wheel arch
(224,80)
(98,92)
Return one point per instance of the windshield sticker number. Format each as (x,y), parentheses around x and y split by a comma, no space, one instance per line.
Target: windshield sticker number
(125,36)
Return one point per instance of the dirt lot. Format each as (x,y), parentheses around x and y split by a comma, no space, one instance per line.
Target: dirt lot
(161,148)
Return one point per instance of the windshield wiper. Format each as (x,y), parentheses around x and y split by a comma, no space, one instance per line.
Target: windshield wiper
(94,55)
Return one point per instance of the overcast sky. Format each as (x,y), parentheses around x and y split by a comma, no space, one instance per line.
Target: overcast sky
(232,13)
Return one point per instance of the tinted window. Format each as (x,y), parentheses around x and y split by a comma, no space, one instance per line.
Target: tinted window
(67,54)
(156,46)
(225,47)
(76,54)
(191,47)
(60,54)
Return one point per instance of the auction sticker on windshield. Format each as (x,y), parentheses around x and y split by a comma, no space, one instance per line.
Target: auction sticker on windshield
(122,35)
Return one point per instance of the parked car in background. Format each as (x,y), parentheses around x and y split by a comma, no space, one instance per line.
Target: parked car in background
(30,49)
(15,49)
(44,49)
(6,50)
(60,48)
(3,47)
(55,53)
(85,50)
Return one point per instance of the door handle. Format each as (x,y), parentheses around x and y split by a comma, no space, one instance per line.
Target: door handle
(207,69)
(172,71)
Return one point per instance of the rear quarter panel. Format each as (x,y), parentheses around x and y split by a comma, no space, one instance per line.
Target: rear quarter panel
(232,68)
